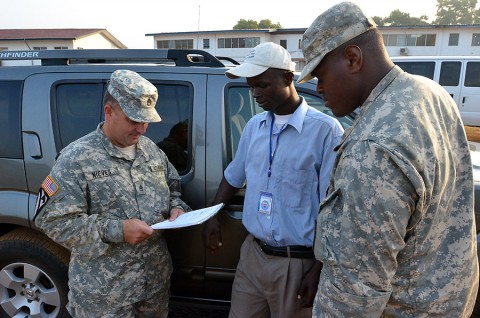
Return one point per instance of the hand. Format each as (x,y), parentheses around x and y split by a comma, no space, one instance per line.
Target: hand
(212,228)
(136,231)
(175,213)
(309,285)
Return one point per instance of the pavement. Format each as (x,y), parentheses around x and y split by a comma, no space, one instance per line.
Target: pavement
(184,309)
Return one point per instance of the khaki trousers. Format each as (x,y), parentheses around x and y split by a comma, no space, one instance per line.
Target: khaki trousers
(267,286)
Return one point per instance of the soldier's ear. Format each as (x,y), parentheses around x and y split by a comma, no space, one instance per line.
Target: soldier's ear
(354,57)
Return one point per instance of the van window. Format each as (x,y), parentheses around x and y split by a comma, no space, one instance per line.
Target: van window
(450,73)
(472,75)
(10,121)
(426,69)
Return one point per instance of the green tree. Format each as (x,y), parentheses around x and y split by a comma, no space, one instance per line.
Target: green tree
(378,20)
(398,17)
(457,12)
(267,24)
(243,24)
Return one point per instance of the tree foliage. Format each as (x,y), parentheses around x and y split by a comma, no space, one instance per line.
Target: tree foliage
(398,17)
(243,24)
(267,24)
(457,12)
(448,12)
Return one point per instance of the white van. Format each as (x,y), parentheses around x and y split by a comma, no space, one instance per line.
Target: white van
(459,75)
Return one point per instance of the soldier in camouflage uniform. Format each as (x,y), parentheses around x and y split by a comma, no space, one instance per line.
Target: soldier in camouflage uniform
(102,195)
(396,233)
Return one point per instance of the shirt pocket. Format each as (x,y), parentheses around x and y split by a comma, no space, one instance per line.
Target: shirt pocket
(157,193)
(104,191)
(297,189)
(327,234)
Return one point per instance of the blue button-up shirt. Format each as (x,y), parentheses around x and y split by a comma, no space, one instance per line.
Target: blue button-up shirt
(300,168)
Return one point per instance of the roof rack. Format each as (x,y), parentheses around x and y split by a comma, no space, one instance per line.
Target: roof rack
(66,57)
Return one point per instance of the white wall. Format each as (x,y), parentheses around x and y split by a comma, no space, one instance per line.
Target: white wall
(94,41)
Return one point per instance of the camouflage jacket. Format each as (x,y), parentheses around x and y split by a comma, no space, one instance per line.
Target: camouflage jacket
(95,187)
(396,233)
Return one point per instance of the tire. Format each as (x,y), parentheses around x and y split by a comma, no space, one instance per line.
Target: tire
(33,276)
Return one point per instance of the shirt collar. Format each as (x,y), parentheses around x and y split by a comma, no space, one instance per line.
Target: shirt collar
(381,86)
(296,121)
(114,152)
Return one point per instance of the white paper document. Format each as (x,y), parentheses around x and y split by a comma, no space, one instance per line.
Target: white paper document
(190,218)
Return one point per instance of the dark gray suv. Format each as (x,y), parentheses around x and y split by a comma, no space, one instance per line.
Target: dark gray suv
(56,99)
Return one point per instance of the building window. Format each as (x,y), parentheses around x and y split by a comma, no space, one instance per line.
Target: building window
(39,48)
(283,43)
(175,44)
(430,39)
(228,43)
(206,43)
(453,39)
(60,48)
(476,39)
(409,39)
(299,44)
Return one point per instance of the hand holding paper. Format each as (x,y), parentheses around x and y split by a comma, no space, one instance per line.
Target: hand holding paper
(191,218)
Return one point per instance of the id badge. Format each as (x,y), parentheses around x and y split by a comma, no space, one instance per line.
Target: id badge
(265,203)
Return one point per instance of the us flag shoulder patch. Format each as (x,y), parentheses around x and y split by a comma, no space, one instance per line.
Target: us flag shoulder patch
(50,186)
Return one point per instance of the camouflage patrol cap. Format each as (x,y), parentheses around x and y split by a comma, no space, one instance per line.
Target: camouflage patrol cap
(332,28)
(137,96)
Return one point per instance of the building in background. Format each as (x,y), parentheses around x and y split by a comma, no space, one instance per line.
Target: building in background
(399,40)
(57,39)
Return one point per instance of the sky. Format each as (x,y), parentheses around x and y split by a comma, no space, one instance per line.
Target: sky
(130,20)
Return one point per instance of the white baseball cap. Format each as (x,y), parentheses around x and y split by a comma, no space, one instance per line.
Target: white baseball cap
(261,58)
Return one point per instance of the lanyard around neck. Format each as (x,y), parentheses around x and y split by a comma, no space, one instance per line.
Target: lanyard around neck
(270,153)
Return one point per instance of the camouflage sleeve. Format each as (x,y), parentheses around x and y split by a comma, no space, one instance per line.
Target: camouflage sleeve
(175,187)
(64,217)
(361,229)
(332,139)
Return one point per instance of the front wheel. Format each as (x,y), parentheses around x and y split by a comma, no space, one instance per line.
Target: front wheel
(33,276)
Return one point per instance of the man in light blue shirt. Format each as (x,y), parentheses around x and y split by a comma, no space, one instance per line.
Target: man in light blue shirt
(285,156)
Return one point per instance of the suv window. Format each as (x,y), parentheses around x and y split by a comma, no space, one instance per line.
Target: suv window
(241,106)
(10,121)
(174,105)
(78,110)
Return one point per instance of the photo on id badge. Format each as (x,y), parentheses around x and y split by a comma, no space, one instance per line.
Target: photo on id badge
(265,203)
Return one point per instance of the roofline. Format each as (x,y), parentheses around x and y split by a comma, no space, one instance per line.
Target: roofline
(103,32)
(302,30)
(431,26)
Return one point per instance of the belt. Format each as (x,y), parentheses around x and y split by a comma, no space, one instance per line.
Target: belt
(293,251)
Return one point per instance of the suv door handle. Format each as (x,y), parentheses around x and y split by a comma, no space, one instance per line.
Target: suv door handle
(32,142)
